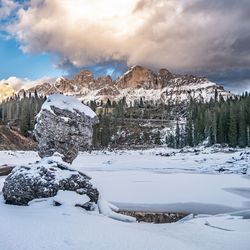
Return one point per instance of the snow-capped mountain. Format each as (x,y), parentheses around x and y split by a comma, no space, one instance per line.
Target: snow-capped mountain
(136,83)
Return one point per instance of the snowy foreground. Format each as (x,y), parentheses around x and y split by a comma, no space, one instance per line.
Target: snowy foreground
(208,182)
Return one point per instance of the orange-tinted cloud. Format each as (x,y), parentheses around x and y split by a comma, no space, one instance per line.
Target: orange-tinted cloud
(194,35)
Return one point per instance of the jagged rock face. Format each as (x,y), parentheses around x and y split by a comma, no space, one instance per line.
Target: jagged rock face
(164,77)
(63,128)
(62,85)
(103,81)
(44,89)
(138,77)
(44,179)
(136,83)
(108,91)
(85,77)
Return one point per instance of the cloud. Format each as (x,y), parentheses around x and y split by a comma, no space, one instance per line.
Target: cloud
(237,81)
(184,36)
(112,68)
(24,83)
(7,7)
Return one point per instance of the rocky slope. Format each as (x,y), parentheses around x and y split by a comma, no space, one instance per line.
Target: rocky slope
(12,140)
(136,83)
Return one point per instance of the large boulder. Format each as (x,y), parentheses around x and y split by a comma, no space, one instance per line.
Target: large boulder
(44,179)
(64,125)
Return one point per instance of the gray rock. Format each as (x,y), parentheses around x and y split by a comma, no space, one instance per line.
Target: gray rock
(64,125)
(43,179)
(5,170)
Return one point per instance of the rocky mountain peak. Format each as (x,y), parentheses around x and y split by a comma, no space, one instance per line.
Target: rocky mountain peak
(166,74)
(60,79)
(84,76)
(102,81)
(137,77)
(138,82)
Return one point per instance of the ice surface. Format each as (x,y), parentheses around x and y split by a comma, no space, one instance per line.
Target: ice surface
(181,192)
(143,180)
(139,180)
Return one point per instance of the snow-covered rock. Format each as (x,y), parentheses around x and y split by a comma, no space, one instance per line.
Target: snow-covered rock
(64,125)
(44,179)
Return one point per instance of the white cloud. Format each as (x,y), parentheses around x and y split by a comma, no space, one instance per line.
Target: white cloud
(6,7)
(194,35)
(24,83)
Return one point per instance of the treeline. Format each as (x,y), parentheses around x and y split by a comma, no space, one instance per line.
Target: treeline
(108,114)
(20,112)
(219,121)
(121,124)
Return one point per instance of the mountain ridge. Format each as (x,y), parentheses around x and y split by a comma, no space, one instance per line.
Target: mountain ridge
(138,82)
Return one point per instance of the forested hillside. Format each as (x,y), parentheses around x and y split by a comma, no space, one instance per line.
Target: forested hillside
(146,123)
(220,122)
(19,112)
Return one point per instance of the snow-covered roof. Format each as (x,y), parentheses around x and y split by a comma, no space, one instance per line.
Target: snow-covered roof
(67,103)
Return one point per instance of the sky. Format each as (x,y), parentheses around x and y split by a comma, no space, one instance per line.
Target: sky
(41,39)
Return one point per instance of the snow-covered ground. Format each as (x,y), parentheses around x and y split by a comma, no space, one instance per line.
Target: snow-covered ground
(208,180)
(43,226)
(203,181)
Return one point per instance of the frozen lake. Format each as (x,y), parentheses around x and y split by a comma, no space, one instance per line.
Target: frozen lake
(205,182)
(164,180)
